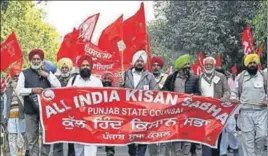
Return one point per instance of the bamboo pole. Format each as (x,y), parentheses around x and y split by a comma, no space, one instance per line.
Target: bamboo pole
(267,61)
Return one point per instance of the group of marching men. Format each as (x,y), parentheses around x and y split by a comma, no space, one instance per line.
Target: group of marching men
(248,89)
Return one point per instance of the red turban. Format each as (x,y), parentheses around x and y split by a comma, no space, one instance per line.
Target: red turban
(108,75)
(38,52)
(159,60)
(14,71)
(85,57)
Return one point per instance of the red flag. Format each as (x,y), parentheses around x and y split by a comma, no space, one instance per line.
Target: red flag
(218,61)
(10,51)
(200,59)
(234,70)
(68,46)
(247,41)
(135,36)
(87,28)
(260,49)
(198,67)
(111,36)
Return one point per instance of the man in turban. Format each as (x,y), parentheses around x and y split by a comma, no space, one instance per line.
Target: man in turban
(182,81)
(157,65)
(107,79)
(32,81)
(138,78)
(65,66)
(14,116)
(85,79)
(250,91)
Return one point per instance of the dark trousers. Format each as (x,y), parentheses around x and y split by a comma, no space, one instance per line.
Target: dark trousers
(58,149)
(193,148)
(109,148)
(207,151)
(140,150)
(71,149)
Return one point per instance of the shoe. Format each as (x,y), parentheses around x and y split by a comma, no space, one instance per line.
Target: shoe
(110,153)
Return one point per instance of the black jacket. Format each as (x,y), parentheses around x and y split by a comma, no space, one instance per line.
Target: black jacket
(191,84)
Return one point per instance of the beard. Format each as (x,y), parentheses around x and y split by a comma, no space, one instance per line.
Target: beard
(252,70)
(209,71)
(156,72)
(85,73)
(138,68)
(65,74)
(107,84)
(13,83)
(36,66)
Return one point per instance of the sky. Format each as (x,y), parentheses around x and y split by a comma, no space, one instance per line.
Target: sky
(64,15)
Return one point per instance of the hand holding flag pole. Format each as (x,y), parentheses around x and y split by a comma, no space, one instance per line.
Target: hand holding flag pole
(121,46)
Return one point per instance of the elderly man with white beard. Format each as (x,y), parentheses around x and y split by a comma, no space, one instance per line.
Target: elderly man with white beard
(32,81)
(65,66)
(213,84)
(138,78)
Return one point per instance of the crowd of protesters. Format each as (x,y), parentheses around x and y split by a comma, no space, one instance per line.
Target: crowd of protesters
(21,118)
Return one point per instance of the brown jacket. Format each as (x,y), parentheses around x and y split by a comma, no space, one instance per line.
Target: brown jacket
(221,89)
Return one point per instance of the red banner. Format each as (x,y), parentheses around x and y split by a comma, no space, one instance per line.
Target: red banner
(116,116)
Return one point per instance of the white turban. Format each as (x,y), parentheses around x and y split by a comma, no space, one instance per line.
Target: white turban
(138,54)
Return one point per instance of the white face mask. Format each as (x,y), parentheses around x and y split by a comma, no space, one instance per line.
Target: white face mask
(36,66)
(209,71)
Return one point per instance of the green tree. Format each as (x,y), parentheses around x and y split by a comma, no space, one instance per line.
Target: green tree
(259,28)
(213,27)
(27,21)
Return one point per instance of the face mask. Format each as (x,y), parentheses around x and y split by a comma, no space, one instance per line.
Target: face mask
(107,83)
(36,67)
(85,73)
(187,71)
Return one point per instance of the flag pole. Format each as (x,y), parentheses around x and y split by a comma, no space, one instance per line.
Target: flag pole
(122,65)
(267,61)
(121,46)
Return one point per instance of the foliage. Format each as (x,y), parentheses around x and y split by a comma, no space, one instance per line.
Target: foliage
(27,21)
(213,27)
(259,28)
